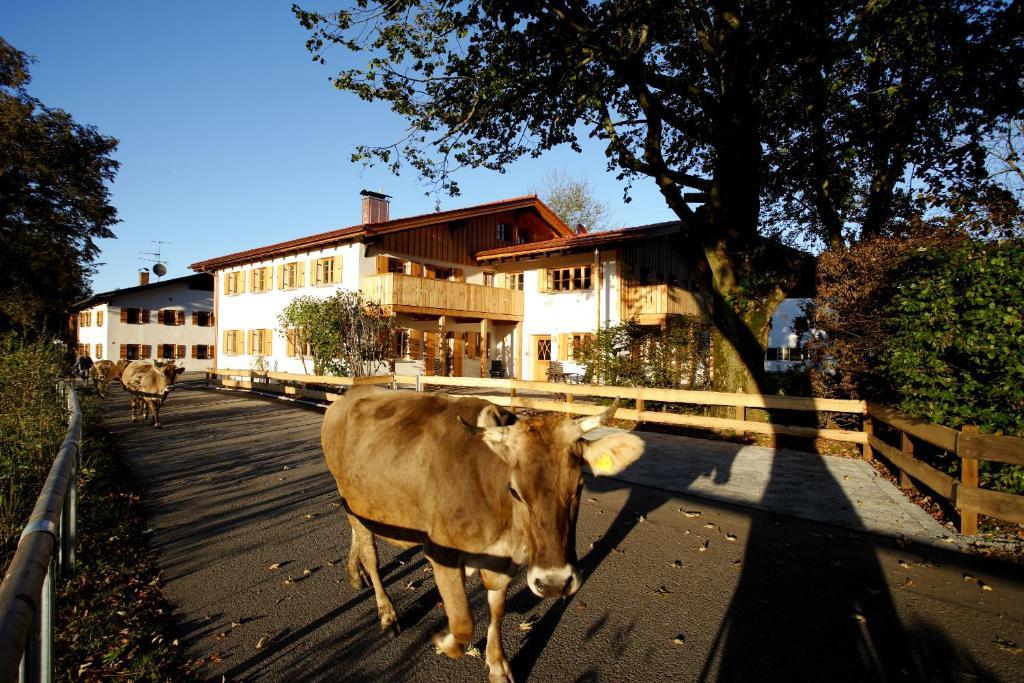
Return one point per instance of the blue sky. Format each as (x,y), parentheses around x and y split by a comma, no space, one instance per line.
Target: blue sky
(230,136)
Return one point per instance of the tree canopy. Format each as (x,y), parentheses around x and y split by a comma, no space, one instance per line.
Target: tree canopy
(54,203)
(814,122)
(573,200)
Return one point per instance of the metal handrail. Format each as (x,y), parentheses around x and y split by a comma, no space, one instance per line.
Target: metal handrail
(47,542)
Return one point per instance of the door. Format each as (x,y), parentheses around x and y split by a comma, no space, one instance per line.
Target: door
(541,357)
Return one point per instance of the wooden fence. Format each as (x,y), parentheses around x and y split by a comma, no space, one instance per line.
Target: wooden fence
(967,444)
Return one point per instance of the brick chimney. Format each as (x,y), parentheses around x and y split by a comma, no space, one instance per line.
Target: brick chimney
(375,207)
(143,277)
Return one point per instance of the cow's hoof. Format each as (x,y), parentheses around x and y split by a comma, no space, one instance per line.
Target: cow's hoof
(393,629)
(158,425)
(445,642)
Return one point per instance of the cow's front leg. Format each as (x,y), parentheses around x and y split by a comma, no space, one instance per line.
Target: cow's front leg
(155,407)
(133,409)
(451,584)
(498,669)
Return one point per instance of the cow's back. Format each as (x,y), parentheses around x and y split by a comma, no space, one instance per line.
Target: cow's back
(141,375)
(402,459)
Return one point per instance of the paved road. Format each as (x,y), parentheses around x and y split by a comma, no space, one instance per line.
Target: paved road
(676,587)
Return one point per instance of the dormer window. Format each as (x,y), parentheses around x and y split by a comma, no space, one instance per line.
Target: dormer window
(505,233)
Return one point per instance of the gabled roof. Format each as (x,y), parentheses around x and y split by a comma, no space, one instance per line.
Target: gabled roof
(589,240)
(358,232)
(199,281)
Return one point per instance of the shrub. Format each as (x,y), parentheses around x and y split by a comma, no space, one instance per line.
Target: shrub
(32,425)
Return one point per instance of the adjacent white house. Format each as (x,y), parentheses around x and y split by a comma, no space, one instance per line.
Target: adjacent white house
(504,288)
(788,337)
(168,320)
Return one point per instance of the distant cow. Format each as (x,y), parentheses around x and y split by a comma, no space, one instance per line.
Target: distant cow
(103,372)
(148,385)
(473,484)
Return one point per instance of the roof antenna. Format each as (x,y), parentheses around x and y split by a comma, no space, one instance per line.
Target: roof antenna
(159,265)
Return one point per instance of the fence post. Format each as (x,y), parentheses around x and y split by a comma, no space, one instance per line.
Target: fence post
(968,479)
(907,446)
(37,661)
(419,385)
(869,429)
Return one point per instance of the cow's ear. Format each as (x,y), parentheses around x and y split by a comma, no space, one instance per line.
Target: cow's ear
(178,371)
(495,416)
(612,454)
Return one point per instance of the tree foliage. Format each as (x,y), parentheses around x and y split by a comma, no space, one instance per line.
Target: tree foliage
(54,202)
(573,200)
(345,334)
(817,122)
(629,354)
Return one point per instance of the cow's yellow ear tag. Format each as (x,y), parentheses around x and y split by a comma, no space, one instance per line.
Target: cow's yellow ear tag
(603,464)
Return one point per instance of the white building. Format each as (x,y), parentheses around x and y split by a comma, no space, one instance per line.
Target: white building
(788,337)
(504,287)
(169,320)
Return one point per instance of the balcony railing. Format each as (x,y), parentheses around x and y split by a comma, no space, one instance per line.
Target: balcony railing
(649,302)
(398,291)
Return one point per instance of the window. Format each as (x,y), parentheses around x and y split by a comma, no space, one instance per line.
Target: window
(444,273)
(234,342)
(297,344)
(202,318)
(577,342)
(544,348)
(291,275)
(134,316)
(565,279)
(85,319)
(83,349)
(261,342)
(99,351)
(259,279)
(135,351)
(488,279)
(396,266)
(171,316)
(504,232)
(522,236)
(401,343)
(234,282)
(171,351)
(328,270)
(203,351)
(99,318)
(514,281)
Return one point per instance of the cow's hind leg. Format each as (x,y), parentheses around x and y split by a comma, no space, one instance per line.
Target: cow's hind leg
(498,669)
(133,401)
(451,584)
(357,576)
(362,537)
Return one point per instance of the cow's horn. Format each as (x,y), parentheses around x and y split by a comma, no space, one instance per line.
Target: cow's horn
(594,421)
(471,428)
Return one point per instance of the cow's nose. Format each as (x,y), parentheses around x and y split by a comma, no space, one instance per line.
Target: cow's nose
(553,583)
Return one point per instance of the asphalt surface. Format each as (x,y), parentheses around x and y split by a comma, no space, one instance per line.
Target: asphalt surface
(676,588)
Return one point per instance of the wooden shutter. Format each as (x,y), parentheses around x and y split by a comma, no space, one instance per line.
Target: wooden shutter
(212,319)
(146,351)
(459,276)
(289,343)
(179,317)
(414,344)
(227,281)
(195,318)
(337,270)
(124,352)
(542,279)
(179,351)
(415,269)
(211,351)
(249,342)
(227,348)
(268,342)
(382,264)
(562,347)
(144,316)
(124,316)
(195,350)
(300,275)
(457,355)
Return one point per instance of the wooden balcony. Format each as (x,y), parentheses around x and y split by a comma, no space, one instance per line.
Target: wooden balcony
(408,294)
(652,304)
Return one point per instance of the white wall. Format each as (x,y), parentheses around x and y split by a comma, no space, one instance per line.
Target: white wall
(782,333)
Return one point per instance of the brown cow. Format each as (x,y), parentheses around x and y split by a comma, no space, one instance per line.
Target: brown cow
(103,372)
(475,485)
(148,385)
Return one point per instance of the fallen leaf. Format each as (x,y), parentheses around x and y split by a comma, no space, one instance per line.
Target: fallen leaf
(591,500)
(680,639)
(277,565)
(968,577)
(412,585)
(310,515)
(1007,645)
(528,624)
(677,564)
(710,525)
(473,652)
(261,642)
(289,581)
(662,590)
(984,586)
(307,571)
(903,564)
(730,537)
(859,618)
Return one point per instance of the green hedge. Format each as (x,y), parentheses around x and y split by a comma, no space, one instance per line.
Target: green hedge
(955,349)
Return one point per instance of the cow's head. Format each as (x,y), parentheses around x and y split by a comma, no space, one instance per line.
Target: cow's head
(170,372)
(545,454)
